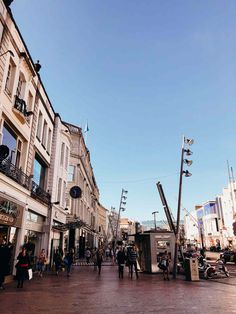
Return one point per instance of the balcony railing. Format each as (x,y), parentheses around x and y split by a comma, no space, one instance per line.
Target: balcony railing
(16,174)
(20,105)
(38,193)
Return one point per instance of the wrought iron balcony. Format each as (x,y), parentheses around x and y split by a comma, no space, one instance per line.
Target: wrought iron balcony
(20,105)
(15,173)
(38,193)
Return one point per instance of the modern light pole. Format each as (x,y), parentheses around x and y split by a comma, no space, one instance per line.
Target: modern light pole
(11,53)
(186,173)
(155,222)
(121,208)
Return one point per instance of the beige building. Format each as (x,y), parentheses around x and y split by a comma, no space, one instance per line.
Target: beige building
(83,211)
(32,165)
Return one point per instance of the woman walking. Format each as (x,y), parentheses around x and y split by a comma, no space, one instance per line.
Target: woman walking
(42,259)
(22,267)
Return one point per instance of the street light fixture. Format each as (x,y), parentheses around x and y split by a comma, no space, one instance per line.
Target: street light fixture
(11,53)
(155,223)
(120,209)
(186,173)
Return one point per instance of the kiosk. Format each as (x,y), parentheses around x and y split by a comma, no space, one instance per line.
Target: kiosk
(151,246)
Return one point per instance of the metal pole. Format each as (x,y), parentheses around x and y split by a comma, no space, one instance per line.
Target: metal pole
(155,223)
(118,219)
(178,211)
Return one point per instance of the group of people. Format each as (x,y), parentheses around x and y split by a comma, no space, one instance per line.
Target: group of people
(124,256)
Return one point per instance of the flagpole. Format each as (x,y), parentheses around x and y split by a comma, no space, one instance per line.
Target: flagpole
(86,129)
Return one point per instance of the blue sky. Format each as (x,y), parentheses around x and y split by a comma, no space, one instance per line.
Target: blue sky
(143,73)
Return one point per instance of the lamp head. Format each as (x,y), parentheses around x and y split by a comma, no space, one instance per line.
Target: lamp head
(188,141)
(188,162)
(188,152)
(187,173)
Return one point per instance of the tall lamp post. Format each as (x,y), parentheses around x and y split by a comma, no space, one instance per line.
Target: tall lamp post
(184,150)
(155,222)
(121,208)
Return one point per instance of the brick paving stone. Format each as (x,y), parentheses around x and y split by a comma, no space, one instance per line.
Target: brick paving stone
(86,292)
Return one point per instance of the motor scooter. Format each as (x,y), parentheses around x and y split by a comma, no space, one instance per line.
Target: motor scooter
(214,271)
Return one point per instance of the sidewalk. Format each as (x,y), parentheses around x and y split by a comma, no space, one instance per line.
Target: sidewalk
(86,292)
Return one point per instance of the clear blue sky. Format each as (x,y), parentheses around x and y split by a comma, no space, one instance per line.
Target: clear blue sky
(142,73)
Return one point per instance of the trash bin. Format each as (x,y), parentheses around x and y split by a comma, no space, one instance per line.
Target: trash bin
(191,269)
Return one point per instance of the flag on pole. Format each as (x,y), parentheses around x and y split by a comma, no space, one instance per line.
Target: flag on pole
(86,129)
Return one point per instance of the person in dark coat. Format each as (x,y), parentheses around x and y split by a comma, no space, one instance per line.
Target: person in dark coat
(121,261)
(4,262)
(132,258)
(57,258)
(22,267)
(99,259)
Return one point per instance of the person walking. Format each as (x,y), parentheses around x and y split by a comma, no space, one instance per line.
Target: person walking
(22,267)
(94,258)
(4,262)
(68,261)
(42,260)
(121,261)
(57,258)
(165,262)
(132,258)
(99,259)
(87,255)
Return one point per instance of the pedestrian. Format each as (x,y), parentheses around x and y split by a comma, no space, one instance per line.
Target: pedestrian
(87,255)
(165,262)
(99,259)
(42,260)
(4,262)
(68,261)
(94,257)
(22,267)
(132,258)
(57,258)
(121,261)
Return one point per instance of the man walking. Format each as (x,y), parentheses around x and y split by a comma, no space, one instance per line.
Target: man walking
(132,259)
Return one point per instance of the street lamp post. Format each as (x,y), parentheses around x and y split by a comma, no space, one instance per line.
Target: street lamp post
(155,222)
(121,208)
(185,141)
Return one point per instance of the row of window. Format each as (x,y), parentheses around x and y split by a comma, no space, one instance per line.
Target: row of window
(44,133)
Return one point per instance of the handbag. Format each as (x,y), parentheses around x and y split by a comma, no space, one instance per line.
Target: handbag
(30,273)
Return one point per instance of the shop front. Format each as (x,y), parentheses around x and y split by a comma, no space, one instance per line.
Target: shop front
(10,222)
(34,235)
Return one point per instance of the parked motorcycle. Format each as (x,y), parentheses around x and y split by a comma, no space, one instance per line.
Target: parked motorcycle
(213,271)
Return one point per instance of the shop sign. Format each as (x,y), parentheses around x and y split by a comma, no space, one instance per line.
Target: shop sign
(8,212)
(6,219)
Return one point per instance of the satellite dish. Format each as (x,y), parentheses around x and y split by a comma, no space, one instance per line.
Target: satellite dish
(4,152)
(75,192)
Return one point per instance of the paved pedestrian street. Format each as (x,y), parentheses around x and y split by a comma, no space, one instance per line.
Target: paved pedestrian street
(87,292)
